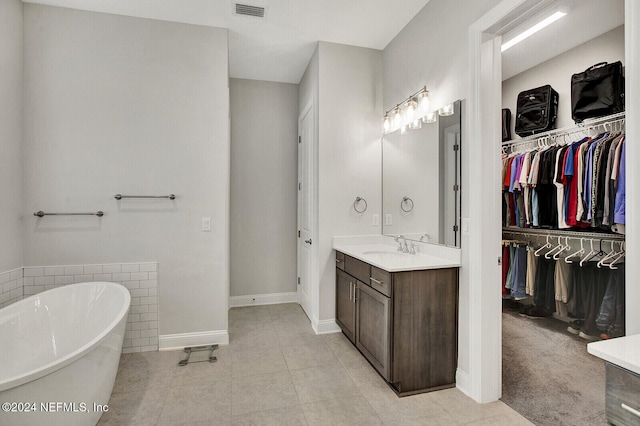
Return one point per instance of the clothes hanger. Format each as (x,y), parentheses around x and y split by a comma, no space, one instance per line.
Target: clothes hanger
(565,247)
(576,254)
(545,246)
(560,247)
(613,253)
(620,256)
(589,255)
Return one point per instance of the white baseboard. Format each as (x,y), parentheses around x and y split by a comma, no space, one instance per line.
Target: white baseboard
(169,342)
(326,327)
(462,381)
(263,299)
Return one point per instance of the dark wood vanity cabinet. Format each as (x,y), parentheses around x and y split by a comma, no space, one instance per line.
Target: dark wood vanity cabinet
(404,323)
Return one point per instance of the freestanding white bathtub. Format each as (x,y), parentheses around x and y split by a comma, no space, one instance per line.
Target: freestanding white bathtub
(59,354)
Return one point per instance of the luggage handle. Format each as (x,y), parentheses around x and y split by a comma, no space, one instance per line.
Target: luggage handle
(598,65)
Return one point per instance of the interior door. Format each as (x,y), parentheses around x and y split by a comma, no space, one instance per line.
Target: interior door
(305,209)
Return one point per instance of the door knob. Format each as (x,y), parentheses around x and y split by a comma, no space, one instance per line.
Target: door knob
(308,241)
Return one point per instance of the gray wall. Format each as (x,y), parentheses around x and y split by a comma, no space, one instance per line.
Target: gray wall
(11,182)
(433,49)
(134,106)
(349,152)
(264,152)
(557,72)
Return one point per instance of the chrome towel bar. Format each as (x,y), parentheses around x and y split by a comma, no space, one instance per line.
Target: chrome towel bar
(41,214)
(120,196)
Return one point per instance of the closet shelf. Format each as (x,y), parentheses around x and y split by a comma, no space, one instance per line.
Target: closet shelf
(563,233)
(545,138)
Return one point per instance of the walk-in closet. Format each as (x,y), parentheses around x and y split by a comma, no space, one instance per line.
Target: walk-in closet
(563,222)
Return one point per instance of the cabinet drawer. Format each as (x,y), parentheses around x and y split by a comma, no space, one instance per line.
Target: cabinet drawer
(622,396)
(357,268)
(380,280)
(340,260)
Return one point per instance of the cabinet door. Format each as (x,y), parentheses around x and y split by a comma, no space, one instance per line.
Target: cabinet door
(373,327)
(345,303)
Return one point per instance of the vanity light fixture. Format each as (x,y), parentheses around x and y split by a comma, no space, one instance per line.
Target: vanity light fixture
(446,110)
(431,117)
(408,114)
(534,29)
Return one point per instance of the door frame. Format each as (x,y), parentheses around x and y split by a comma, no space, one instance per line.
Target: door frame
(483,380)
(309,110)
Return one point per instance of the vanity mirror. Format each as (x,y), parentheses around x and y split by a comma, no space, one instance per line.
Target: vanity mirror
(421,179)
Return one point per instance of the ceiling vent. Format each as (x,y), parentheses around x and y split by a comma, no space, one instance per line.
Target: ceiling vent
(248,10)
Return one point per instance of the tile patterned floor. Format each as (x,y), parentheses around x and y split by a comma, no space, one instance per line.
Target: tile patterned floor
(276,371)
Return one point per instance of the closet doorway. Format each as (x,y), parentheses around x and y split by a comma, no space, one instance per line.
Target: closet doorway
(485,227)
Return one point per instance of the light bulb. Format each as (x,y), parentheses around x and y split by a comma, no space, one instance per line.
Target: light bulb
(446,110)
(423,103)
(416,124)
(397,118)
(431,117)
(410,111)
(386,123)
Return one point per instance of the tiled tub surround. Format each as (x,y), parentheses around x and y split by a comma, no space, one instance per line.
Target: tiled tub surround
(140,278)
(10,287)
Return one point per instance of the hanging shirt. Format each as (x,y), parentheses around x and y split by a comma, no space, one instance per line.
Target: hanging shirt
(619,216)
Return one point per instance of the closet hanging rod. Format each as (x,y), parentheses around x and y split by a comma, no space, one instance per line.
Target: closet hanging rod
(120,196)
(563,233)
(41,214)
(569,129)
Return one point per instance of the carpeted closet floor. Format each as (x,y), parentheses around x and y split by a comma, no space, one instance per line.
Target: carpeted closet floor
(547,374)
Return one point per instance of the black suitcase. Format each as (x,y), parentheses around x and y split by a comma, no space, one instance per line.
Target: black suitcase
(536,110)
(598,91)
(506,124)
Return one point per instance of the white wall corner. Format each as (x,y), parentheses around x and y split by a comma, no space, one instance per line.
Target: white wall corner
(169,342)
(263,299)
(325,326)
(462,381)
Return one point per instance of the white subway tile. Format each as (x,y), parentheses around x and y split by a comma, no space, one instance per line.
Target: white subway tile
(43,280)
(111,268)
(153,324)
(139,276)
(4,297)
(126,343)
(92,269)
(127,326)
(148,284)
(34,271)
(140,325)
(150,348)
(143,341)
(148,300)
(131,284)
(130,267)
(140,309)
(54,270)
(74,270)
(149,333)
(148,267)
(153,275)
(17,273)
(133,318)
(121,276)
(130,350)
(140,292)
(5,277)
(132,334)
(16,293)
(102,277)
(153,291)
(8,286)
(153,340)
(28,281)
(63,279)
(152,316)
(152,308)
(33,289)
(135,301)
(83,278)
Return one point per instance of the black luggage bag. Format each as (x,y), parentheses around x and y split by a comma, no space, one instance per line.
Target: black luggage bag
(536,110)
(598,91)
(506,124)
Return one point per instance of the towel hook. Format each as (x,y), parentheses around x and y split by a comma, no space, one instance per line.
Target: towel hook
(357,201)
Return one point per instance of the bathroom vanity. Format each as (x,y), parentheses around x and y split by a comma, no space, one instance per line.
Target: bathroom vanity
(401,311)
(622,356)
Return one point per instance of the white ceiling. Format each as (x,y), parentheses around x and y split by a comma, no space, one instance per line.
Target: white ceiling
(585,20)
(278,47)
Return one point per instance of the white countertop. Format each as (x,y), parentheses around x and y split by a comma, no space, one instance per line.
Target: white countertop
(381,251)
(622,351)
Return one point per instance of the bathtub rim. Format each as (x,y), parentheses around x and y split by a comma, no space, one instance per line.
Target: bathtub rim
(41,371)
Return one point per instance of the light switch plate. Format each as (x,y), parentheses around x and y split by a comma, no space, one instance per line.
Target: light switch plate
(206,224)
(375,219)
(388,219)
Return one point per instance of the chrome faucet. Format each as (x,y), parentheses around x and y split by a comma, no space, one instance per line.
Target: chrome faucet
(402,245)
(423,236)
